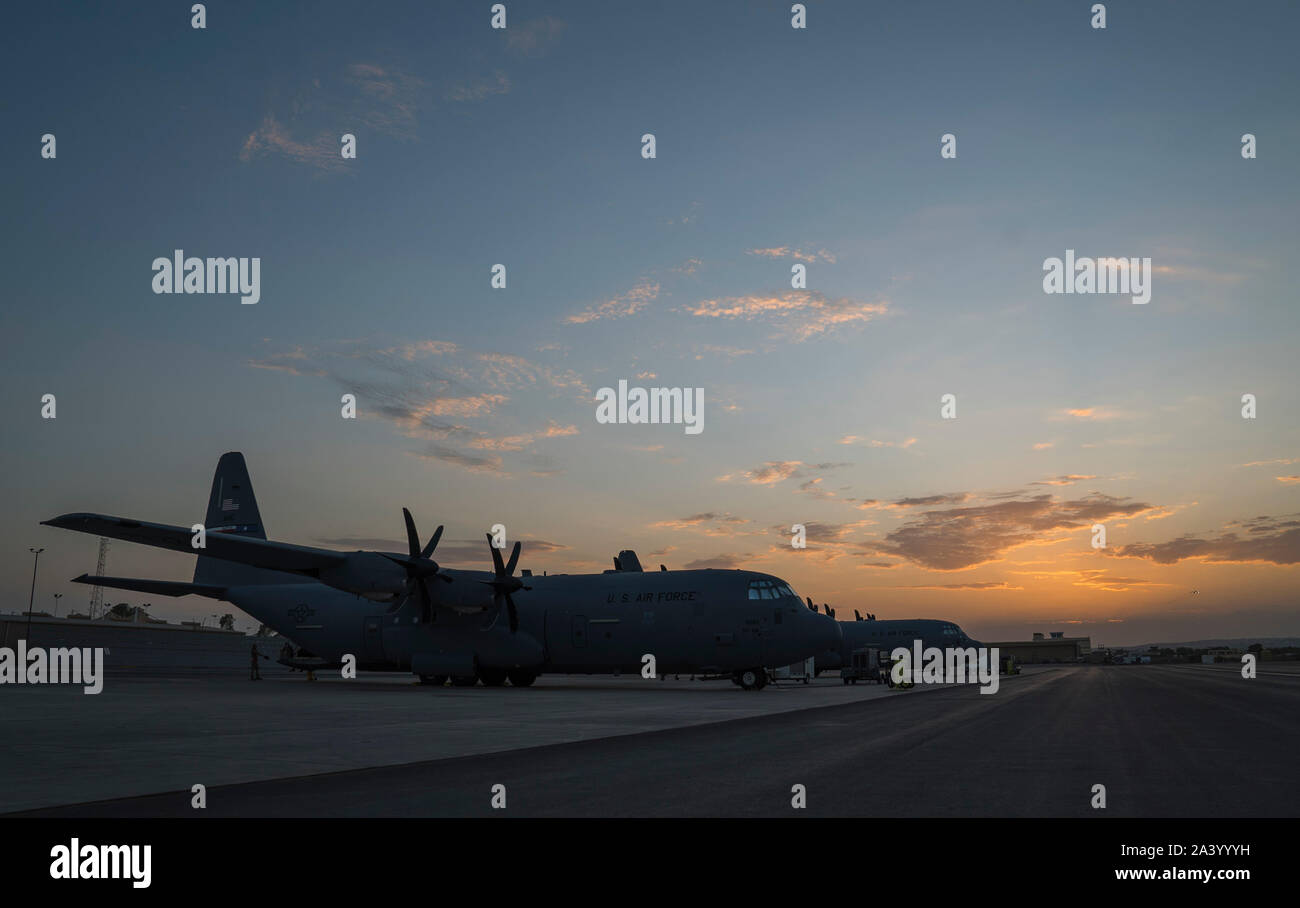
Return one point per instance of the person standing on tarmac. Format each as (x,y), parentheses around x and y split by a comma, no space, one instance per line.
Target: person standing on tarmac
(253,673)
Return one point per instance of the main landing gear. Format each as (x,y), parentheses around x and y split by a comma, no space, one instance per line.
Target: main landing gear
(750,678)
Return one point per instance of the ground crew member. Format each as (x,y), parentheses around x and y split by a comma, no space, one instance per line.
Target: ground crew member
(253,673)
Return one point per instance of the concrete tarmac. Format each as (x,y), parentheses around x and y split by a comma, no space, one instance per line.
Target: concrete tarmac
(146,734)
(1166,741)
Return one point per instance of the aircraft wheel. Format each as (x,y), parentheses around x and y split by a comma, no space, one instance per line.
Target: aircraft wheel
(464,680)
(522,679)
(751,679)
(492,677)
(433,680)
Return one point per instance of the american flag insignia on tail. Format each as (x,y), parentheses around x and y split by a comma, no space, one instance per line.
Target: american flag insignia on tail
(229,504)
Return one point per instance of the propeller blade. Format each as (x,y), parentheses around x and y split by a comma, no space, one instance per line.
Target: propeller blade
(514,559)
(433,543)
(514,615)
(496,557)
(412,538)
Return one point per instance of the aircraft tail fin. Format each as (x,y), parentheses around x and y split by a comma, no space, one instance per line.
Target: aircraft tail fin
(232,509)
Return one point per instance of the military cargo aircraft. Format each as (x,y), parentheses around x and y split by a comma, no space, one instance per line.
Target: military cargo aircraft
(401,611)
(887,635)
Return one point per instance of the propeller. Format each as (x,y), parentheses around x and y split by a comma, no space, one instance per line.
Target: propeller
(810,603)
(419,566)
(830,611)
(857,615)
(504,584)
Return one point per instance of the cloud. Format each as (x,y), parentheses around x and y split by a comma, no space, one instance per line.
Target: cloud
(824,541)
(390,99)
(523,441)
(472,462)
(1092,414)
(272,137)
(874,443)
(478,89)
(535,37)
(366,97)
(952,539)
(814,489)
(1270,540)
(981,585)
(723,562)
(508,372)
(929,500)
(434,391)
(781,252)
(1044,445)
(629,303)
(1102,580)
(722,350)
(474,405)
(801,314)
(1063,480)
(710,523)
(775,471)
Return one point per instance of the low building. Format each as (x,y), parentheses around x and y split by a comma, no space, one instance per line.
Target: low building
(1046,649)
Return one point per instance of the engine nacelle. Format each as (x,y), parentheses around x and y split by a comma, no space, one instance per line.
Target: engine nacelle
(368,574)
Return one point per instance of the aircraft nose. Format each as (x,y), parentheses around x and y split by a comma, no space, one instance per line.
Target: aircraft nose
(829,635)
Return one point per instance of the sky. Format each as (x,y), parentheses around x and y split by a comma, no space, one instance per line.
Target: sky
(774,147)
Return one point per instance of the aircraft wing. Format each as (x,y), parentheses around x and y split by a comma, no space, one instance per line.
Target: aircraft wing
(262,553)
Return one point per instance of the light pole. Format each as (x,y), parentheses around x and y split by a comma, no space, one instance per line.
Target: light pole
(32,598)
(57,597)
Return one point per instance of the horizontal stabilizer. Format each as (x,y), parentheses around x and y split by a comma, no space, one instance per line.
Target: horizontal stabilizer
(159,587)
(227,546)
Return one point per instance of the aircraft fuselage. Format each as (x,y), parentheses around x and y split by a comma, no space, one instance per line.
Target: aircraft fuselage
(689,621)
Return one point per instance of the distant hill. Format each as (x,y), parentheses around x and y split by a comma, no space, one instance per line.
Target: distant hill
(1235,642)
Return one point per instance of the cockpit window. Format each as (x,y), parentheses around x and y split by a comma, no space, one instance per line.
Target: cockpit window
(770,589)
